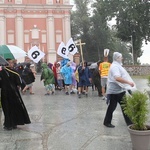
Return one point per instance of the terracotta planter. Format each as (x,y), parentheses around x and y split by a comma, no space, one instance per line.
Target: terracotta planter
(140,139)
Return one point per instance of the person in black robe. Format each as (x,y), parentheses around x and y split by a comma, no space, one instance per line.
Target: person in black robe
(15,112)
(29,78)
(96,79)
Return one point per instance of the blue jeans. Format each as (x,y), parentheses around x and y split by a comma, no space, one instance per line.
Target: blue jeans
(60,83)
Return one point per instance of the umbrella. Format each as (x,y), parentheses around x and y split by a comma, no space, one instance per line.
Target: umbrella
(3,62)
(93,66)
(11,51)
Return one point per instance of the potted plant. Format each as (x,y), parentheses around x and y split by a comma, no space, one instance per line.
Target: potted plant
(136,107)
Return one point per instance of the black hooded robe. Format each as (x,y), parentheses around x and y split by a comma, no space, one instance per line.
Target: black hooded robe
(15,112)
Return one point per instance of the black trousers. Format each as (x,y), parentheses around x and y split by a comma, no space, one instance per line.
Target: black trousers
(114,99)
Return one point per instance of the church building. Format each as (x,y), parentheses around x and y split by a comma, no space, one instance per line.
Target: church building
(44,23)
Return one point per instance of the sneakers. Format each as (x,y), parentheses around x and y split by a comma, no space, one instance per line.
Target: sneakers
(72,92)
(104,98)
(109,125)
(67,93)
(83,93)
(47,94)
(79,95)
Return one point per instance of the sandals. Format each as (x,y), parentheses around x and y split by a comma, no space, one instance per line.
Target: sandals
(31,93)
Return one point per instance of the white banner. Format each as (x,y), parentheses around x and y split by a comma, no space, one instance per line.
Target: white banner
(35,54)
(62,50)
(71,47)
(106,52)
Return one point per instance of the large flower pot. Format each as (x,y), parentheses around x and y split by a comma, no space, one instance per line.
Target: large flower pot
(140,139)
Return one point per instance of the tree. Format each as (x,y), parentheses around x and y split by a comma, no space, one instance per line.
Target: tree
(80,23)
(93,30)
(132,19)
(100,32)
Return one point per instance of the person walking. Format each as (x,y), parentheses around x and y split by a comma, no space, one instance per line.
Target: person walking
(67,73)
(47,76)
(96,80)
(103,69)
(55,75)
(84,79)
(116,78)
(59,76)
(28,78)
(74,82)
(15,112)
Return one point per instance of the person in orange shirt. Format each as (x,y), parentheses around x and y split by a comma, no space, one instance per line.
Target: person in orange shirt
(103,70)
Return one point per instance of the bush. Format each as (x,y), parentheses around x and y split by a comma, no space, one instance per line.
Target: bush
(135,106)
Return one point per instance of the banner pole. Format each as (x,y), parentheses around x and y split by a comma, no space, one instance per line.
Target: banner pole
(81,51)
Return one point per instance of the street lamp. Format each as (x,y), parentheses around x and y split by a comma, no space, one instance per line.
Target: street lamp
(132,49)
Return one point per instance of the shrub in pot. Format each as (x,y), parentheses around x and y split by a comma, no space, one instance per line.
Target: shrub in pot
(136,107)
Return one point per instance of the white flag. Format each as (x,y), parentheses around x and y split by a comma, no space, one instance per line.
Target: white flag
(62,50)
(35,54)
(71,47)
(106,52)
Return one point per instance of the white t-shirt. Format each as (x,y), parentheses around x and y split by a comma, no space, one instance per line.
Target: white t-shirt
(114,87)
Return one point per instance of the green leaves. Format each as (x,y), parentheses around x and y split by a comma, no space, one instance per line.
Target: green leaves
(132,18)
(90,24)
(136,108)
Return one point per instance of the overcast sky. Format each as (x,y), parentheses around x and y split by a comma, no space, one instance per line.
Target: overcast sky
(145,58)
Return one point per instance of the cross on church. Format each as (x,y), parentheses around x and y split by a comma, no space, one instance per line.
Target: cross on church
(81,51)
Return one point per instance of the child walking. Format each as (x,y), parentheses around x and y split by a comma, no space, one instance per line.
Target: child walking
(47,76)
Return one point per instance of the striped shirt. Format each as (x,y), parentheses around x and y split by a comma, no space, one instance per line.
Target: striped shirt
(104,68)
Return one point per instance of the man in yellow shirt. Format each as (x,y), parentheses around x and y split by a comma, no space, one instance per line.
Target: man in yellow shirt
(103,70)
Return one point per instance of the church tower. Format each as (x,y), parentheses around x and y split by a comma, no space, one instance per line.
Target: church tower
(44,23)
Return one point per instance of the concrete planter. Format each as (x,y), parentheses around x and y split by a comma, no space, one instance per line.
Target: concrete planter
(140,139)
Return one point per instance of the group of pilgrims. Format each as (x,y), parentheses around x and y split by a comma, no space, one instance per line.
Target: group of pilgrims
(66,75)
(17,79)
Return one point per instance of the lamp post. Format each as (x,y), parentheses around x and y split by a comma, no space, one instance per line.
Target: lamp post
(132,49)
